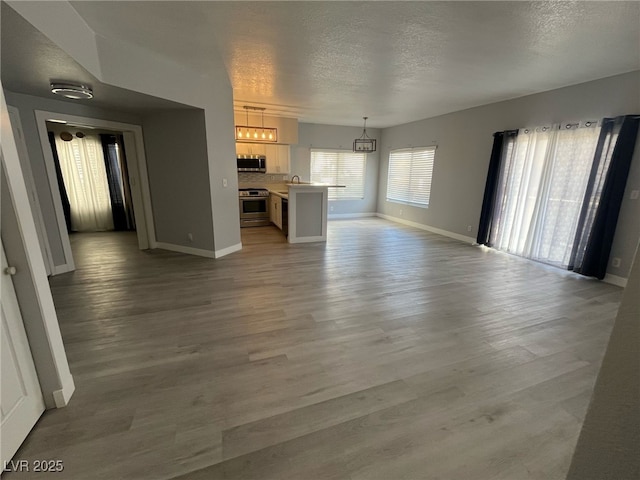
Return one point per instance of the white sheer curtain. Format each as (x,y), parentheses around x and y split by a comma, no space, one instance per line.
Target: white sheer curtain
(541,191)
(85,178)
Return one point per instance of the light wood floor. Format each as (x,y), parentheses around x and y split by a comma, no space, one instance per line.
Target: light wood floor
(388,353)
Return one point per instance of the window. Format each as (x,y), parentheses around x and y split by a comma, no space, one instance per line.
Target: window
(339,167)
(410,173)
(86,183)
(541,191)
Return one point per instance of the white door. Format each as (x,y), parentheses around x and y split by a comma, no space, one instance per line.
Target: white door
(21,402)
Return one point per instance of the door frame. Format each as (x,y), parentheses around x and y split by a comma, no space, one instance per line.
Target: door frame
(31,189)
(138,179)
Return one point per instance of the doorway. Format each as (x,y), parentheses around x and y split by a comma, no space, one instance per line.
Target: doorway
(129,140)
(93,179)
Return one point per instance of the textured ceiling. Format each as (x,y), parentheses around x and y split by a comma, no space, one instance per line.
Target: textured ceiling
(334,62)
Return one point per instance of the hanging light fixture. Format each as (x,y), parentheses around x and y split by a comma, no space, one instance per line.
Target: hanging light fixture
(249,133)
(364,144)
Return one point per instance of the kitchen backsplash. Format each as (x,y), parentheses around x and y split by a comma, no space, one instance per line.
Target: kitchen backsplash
(261,178)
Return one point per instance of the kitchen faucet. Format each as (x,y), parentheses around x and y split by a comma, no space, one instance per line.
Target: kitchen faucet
(294,177)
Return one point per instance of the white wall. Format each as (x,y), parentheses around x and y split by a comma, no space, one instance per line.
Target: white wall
(608,442)
(177,162)
(27,105)
(223,169)
(336,137)
(464,141)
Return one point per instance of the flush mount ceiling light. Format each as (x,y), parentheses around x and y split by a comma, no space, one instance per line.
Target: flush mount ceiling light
(364,144)
(247,133)
(75,92)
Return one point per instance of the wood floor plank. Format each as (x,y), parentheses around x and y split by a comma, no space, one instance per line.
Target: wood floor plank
(388,352)
(279,428)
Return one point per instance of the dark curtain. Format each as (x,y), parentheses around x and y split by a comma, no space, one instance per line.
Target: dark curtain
(491,187)
(126,186)
(66,206)
(604,195)
(117,178)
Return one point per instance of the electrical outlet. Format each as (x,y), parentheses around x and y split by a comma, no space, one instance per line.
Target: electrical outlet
(225,183)
(190,237)
(469,228)
(331,208)
(635,194)
(615,262)
(400,212)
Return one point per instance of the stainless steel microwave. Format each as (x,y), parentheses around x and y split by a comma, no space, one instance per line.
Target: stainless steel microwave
(252,163)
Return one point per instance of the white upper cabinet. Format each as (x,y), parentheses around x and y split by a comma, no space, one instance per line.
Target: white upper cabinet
(278,158)
(250,148)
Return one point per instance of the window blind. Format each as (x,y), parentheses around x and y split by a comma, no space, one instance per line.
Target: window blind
(410,175)
(339,167)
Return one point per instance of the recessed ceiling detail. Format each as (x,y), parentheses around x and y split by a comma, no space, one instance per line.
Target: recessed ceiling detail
(31,61)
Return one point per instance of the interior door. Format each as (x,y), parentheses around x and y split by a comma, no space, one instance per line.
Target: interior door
(21,402)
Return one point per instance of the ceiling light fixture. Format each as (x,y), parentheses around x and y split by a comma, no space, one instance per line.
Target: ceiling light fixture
(364,144)
(75,92)
(247,133)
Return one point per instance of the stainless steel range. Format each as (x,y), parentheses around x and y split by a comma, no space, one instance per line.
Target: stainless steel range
(254,207)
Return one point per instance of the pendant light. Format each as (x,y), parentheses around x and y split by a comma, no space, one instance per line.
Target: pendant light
(364,144)
(249,133)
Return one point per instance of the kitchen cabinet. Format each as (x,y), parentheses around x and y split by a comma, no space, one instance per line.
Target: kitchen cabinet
(278,160)
(251,148)
(275,210)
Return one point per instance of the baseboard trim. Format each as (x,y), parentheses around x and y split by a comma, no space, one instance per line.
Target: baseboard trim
(61,397)
(439,231)
(59,269)
(339,216)
(615,280)
(318,238)
(188,250)
(226,251)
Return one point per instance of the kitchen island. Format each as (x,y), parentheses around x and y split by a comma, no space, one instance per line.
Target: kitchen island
(307,211)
